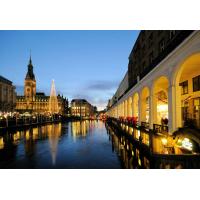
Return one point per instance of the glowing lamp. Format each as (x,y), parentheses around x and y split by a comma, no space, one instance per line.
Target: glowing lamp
(187,144)
(164,141)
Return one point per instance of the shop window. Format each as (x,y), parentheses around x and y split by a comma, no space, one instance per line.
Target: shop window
(196,83)
(184,87)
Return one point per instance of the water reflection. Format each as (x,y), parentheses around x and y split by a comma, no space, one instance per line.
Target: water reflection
(21,146)
(54,132)
(1,143)
(130,156)
(78,144)
(80,128)
(133,147)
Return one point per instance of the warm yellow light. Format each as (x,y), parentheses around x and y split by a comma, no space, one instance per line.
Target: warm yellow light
(162,108)
(164,141)
(27,135)
(139,161)
(1,143)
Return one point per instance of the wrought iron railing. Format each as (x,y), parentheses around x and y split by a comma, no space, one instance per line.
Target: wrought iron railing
(145,125)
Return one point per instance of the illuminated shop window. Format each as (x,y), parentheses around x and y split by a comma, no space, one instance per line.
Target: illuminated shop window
(147,109)
(162,106)
(184,87)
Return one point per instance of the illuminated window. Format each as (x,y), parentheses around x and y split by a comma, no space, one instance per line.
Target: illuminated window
(196,83)
(184,87)
(197,102)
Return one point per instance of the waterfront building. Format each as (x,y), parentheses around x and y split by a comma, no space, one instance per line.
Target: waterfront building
(38,102)
(7,95)
(162,85)
(82,108)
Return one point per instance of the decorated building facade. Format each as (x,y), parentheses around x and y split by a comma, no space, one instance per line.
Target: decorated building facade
(38,102)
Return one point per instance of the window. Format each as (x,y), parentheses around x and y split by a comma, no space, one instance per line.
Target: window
(184,87)
(172,34)
(151,57)
(162,45)
(197,102)
(196,83)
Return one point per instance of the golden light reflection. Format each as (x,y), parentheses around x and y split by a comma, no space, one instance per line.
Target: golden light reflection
(16,136)
(54,132)
(137,134)
(1,143)
(127,128)
(139,162)
(35,133)
(81,128)
(27,135)
(130,131)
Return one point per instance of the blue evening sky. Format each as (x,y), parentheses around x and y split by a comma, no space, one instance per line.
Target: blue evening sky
(84,64)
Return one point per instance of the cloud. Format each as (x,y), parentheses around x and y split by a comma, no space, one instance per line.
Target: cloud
(96,92)
(102,85)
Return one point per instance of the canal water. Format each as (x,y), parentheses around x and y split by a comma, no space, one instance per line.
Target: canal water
(81,145)
(85,144)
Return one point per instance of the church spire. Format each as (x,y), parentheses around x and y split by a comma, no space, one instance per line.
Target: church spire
(30,61)
(30,74)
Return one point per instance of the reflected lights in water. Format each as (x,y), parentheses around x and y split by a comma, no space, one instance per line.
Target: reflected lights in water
(80,128)
(27,135)
(16,137)
(54,132)
(1,143)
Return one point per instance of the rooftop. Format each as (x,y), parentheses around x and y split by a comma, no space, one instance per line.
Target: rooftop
(5,80)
